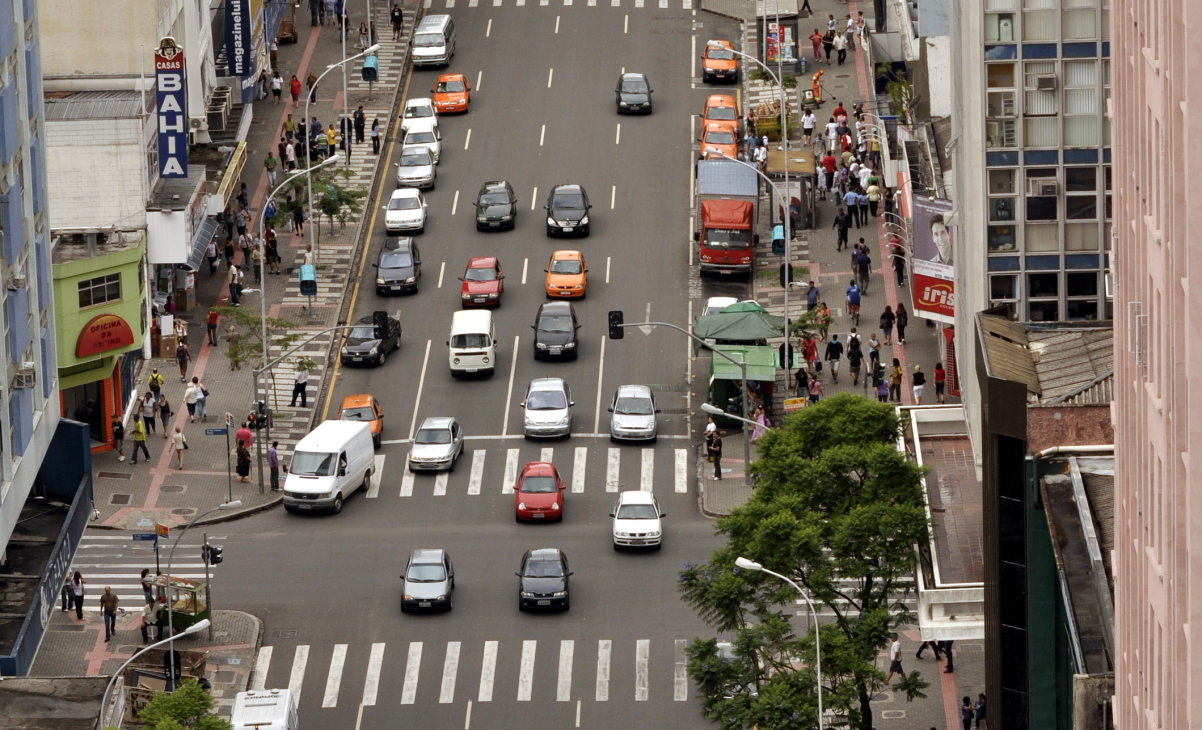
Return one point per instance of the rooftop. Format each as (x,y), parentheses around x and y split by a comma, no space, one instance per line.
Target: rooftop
(177,193)
(70,247)
(52,703)
(1070,362)
(74,105)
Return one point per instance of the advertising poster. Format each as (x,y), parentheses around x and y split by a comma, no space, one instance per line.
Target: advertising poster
(171,103)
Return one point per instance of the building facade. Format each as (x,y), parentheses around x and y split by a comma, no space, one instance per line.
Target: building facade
(28,379)
(1158,543)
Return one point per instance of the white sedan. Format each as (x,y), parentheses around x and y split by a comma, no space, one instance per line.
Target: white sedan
(418,111)
(637,521)
(406,211)
(422,132)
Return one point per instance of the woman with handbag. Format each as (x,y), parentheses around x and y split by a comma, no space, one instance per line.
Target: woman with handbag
(202,395)
(181,444)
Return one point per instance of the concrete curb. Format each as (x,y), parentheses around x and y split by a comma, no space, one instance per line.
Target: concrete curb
(229,517)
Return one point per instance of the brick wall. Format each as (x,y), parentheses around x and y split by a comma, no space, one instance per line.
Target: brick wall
(1049,426)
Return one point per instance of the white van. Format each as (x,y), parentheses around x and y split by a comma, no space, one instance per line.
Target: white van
(434,41)
(265,709)
(328,465)
(473,343)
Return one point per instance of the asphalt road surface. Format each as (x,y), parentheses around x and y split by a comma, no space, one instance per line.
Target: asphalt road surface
(542,113)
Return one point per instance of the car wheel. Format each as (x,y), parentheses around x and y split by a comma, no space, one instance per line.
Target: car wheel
(366,485)
(520,606)
(403,609)
(383,358)
(575,355)
(516,518)
(659,545)
(567,604)
(655,438)
(337,504)
(289,508)
(617,547)
(448,604)
(375,441)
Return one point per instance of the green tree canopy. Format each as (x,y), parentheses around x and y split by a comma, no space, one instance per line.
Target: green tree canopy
(187,708)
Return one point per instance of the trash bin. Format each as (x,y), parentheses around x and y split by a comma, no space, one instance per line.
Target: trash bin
(778,240)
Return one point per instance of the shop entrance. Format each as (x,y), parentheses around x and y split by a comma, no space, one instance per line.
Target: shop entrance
(85,403)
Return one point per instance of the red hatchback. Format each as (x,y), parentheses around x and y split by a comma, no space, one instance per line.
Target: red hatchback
(538,495)
(483,282)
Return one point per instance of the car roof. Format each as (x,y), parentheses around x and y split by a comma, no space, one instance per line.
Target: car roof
(354,401)
(438,422)
(494,186)
(636,496)
(545,553)
(720,302)
(426,555)
(405,193)
(554,308)
(719,125)
(449,77)
(471,321)
(548,384)
(634,391)
(421,124)
(726,44)
(421,101)
(634,75)
(566,254)
(398,244)
(567,188)
(411,149)
(719,100)
(538,466)
(482,262)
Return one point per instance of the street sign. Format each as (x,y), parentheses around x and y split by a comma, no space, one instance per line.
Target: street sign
(794,404)
(161,530)
(229,420)
(145,536)
(216,431)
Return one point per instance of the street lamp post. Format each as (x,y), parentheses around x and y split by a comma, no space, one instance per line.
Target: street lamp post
(193,629)
(308,148)
(747,564)
(171,556)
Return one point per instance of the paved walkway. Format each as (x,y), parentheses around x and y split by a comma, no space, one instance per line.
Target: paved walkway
(134,496)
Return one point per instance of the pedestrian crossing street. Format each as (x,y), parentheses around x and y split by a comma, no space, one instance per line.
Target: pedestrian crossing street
(482,672)
(117,560)
(493,475)
(660,4)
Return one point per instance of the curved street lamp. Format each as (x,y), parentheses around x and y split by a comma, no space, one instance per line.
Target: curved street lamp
(193,629)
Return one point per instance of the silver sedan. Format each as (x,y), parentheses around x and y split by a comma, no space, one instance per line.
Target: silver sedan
(437,445)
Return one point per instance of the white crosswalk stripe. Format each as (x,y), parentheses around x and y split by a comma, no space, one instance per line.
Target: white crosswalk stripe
(579,463)
(563,689)
(334,679)
(258,677)
(477,476)
(642,658)
(297,680)
(526,670)
(407,483)
(647,475)
(613,462)
(412,668)
(511,470)
(450,668)
(681,473)
(680,678)
(440,484)
(371,685)
(547,454)
(604,648)
(377,476)
(488,672)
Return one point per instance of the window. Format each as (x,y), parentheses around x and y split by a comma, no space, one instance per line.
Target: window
(1040,132)
(1043,311)
(999,27)
(1081,207)
(1001,134)
(1001,104)
(1039,25)
(1081,283)
(999,75)
(1047,287)
(99,290)
(1043,285)
(1003,286)
(1041,208)
(1041,238)
(1078,20)
(1002,181)
(1081,103)
(1001,239)
(1001,209)
(1081,236)
(1039,101)
(1081,179)
(1081,309)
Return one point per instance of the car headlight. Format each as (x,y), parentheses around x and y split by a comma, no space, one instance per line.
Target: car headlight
(584,221)
(622,103)
(555,505)
(411,279)
(465,295)
(521,505)
(506,217)
(550,221)
(374,349)
(621,534)
(485,360)
(569,346)
(578,286)
(527,594)
(345,351)
(746,259)
(653,534)
(541,345)
(481,219)
(407,597)
(494,295)
(455,361)
(443,597)
(706,257)
(560,594)
(380,281)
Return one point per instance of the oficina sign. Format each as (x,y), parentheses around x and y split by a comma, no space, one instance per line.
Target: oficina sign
(171,104)
(102,333)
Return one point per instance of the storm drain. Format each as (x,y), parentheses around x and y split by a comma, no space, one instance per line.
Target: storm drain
(287,633)
(225,677)
(114,475)
(172,488)
(183,511)
(119,499)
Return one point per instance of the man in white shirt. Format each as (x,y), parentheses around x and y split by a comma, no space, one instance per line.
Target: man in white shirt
(761,157)
(851,32)
(895,666)
(299,384)
(808,120)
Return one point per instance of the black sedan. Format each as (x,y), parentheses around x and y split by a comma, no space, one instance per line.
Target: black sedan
(555,331)
(365,345)
(634,94)
(567,211)
(543,580)
(496,206)
(399,267)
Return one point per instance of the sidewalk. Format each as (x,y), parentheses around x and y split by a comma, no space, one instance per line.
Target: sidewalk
(73,648)
(133,496)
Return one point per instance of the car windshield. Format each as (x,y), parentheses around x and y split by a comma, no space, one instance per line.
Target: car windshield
(718,54)
(719,136)
(725,238)
(470,340)
(481,275)
(723,113)
(637,512)
(404,203)
(426,573)
(634,407)
(433,436)
(420,138)
(397,260)
(450,86)
(312,464)
(566,266)
(555,323)
(546,400)
(416,159)
(538,485)
(357,414)
(494,199)
(418,111)
(428,40)
(568,201)
(363,332)
(634,86)
(544,569)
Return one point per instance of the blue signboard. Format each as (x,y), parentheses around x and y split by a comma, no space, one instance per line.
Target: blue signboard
(216,431)
(237,37)
(171,103)
(145,536)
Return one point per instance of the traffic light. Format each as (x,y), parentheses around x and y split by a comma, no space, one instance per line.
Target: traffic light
(371,68)
(616,331)
(215,555)
(379,321)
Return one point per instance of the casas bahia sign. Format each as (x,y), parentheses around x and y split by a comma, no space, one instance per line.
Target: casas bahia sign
(171,103)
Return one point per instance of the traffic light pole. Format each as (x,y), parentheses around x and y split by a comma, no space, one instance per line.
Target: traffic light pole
(204,553)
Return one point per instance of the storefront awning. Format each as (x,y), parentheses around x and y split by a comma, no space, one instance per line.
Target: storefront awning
(761,363)
(200,242)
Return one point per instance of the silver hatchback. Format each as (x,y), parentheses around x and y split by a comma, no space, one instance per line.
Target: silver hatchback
(416,168)
(548,407)
(633,409)
(429,580)
(438,443)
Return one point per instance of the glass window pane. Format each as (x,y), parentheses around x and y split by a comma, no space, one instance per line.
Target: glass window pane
(1041,208)
(1001,209)
(1080,101)
(1000,75)
(1081,283)
(1081,207)
(1082,309)
(999,27)
(1080,179)
(1081,236)
(1001,104)
(1040,132)
(1039,25)
(1041,238)
(1080,24)
(1046,311)
(1003,287)
(1080,74)
(1080,131)
(1001,239)
(1001,181)
(1001,134)
(1043,285)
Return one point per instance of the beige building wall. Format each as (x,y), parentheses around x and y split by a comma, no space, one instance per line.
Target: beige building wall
(1158,360)
(103,38)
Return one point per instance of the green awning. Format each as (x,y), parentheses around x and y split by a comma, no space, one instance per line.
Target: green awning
(746,326)
(761,363)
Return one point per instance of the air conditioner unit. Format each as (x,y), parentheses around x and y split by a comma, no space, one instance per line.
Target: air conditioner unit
(16,282)
(197,123)
(1045,82)
(1042,186)
(25,376)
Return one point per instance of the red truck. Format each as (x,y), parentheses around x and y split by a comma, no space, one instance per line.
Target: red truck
(727,194)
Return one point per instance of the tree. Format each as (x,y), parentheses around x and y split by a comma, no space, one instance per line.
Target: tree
(838,509)
(334,200)
(244,334)
(189,707)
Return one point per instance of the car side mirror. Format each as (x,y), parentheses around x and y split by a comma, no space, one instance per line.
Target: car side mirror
(502,276)
(571,403)
(657,410)
(375,266)
(570,572)
(756,238)
(663,514)
(696,235)
(342,471)
(586,271)
(611,410)
(546,272)
(611,514)
(518,575)
(448,343)
(460,278)
(522,404)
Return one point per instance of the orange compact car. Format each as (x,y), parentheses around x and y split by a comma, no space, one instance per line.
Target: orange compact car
(567,275)
(719,62)
(365,409)
(721,109)
(451,94)
(720,136)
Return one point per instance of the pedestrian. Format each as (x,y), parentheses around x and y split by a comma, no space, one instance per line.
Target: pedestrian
(801,382)
(888,197)
(940,382)
(935,649)
(244,435)
(815,390)
(842,224)
(895,665)
(716,452)
(232,281)
(190,394)
(762,423)
(311,81)
(360,123)
(161,624)
(850,199)
(903,319)
(711,430)
(808,120)
(277,86)
(139,438)
(108,607)
(874,350)
(202,395)
(895,381)
(294,88)
(874,198)
(243,467)
(363,36)
(273,253)
(298,220)
(211,326)
(155,381)
(966,714)
(809,349)
(834,352)
(375,136)
(256,263)
(228,252)
(812,295)
(855,356)
(331,140)
(270,163)
(118,429)
(862,264)
(850,32)
(150,617)
(816,41)
(946,646)
(828,173)
(979,711)
(211,256)
(862,202)
(828,45)
(299,385)
(150,410)
(182,356)
(882,389)
(315,12)
(887,320)
(289,131)
(180,443)
(898,254)
(147,585)
(398,18)
(77,594)
(273,463)
(839,43)
(165,413)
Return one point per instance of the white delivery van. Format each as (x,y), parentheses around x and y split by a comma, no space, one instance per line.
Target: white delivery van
(328,465)
(473,343)
(264,709)
(434,41)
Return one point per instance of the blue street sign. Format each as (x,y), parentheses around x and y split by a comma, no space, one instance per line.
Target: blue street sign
(145,536)
(216,431)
